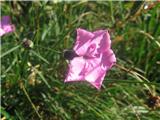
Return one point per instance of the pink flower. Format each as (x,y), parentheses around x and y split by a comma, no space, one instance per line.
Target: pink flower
(6,26)
(94,57)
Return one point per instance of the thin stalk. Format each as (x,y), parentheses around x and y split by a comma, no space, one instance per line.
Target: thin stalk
(29,99)
(9,51)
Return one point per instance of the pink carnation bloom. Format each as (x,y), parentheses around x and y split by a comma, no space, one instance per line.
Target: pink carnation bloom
(6,26)
(95,57)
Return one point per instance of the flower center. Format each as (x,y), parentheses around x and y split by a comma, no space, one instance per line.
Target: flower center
(90,51)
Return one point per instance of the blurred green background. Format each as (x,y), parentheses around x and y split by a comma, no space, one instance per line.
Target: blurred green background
(32,86)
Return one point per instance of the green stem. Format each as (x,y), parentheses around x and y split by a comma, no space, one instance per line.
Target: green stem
(9,51)
(29,99)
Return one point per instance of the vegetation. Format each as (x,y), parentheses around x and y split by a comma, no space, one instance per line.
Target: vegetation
(32,77)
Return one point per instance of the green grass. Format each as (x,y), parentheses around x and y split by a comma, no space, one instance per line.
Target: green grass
(32,86)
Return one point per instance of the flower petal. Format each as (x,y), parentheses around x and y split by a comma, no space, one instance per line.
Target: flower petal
(2,32)
(96,41)
(83,41)
(108,59)
(98,68)
(76,70)
(5,20)
(6,26)
(104,42)
(99,43)
(96,76)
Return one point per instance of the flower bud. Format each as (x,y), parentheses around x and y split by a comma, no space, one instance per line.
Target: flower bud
(27,43)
